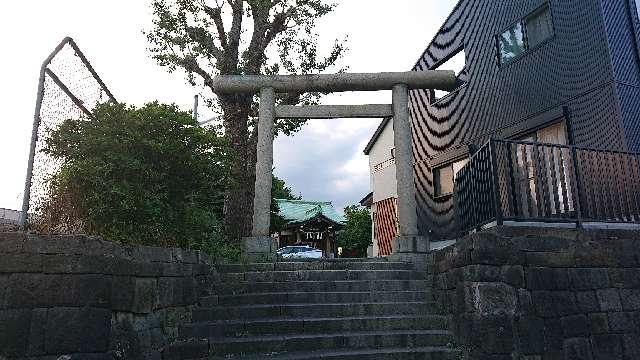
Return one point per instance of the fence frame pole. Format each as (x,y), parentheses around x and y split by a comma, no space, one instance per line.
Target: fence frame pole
(496,189)
(26,196)
(512,179)
(576,175)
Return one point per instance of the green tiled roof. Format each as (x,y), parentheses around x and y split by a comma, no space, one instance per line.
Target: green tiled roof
(299,211)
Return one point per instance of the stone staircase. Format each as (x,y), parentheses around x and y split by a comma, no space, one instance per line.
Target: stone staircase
(333,309)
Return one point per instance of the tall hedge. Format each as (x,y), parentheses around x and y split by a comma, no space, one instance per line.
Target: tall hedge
(147,175)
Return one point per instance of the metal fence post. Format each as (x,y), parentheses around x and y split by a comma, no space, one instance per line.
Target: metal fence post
(26,196)
(512,180)
(576,175)
(494,178)
(474,200)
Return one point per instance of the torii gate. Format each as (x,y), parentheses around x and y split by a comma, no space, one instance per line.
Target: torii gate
(408,240)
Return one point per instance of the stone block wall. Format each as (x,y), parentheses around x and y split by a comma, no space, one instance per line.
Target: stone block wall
(91,299)
(542,294)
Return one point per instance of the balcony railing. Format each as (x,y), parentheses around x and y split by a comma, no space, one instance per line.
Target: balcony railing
(524,181)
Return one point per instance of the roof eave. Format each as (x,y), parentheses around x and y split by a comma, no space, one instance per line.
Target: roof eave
(335,223)
(367,201)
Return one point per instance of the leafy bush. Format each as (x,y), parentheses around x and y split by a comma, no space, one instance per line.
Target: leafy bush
(148,176)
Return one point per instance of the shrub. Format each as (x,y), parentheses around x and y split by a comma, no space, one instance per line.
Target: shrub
(147,176)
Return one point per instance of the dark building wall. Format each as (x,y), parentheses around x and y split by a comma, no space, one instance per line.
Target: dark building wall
(629,97)
(623,28)
(619,19)
(571,71)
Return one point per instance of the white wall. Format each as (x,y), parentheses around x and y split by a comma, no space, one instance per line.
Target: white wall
(383,183)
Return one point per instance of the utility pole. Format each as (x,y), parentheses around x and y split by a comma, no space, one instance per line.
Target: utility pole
(195,108)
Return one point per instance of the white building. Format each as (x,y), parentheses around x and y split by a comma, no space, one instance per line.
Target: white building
(384,189)
(8,216)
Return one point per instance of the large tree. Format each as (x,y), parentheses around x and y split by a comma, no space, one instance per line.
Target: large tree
(241,37)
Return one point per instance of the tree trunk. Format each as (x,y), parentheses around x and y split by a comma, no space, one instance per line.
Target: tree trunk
(237,217)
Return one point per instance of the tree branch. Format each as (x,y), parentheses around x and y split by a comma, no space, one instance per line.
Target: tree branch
(190,64)
(235,33)
(215,13)
(264,32)
(254,55)
(205,41)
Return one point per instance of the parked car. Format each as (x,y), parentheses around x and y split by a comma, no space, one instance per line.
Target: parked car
(299,252)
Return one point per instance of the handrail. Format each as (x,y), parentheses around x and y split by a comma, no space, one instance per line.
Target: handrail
(531,181)
(523,142)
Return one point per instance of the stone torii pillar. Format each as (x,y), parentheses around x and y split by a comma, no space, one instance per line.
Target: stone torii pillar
(408,241)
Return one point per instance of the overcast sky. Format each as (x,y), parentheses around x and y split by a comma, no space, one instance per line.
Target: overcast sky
(324,161)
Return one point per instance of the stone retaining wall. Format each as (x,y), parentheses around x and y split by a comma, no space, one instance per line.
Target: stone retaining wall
(558,294)
(92,299)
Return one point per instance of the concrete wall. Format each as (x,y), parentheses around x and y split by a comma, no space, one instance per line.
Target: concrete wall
(91,299)
(558,294)
(383,182)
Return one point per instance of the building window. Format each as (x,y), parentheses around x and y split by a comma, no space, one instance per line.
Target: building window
(526,34)
(444,177)
(539,27)
(551,134)
(511,43)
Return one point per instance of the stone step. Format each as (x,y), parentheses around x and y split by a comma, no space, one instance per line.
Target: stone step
(401,353)
(321,275)
(313,297)
(242,287)
(306,325)
(310,310)
(315,265)
(269,344)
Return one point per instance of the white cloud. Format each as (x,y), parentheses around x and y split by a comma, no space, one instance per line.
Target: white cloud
(358,164)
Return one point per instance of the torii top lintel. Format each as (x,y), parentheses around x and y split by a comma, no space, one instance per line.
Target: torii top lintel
(251,84)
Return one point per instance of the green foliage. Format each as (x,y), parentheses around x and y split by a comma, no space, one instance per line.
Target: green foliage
(356,234)
(145,175)
(279,190)
(220,249)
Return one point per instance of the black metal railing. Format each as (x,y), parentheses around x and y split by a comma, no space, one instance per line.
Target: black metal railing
(525,181)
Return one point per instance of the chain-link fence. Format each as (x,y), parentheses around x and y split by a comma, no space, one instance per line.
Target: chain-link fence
(69,88)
